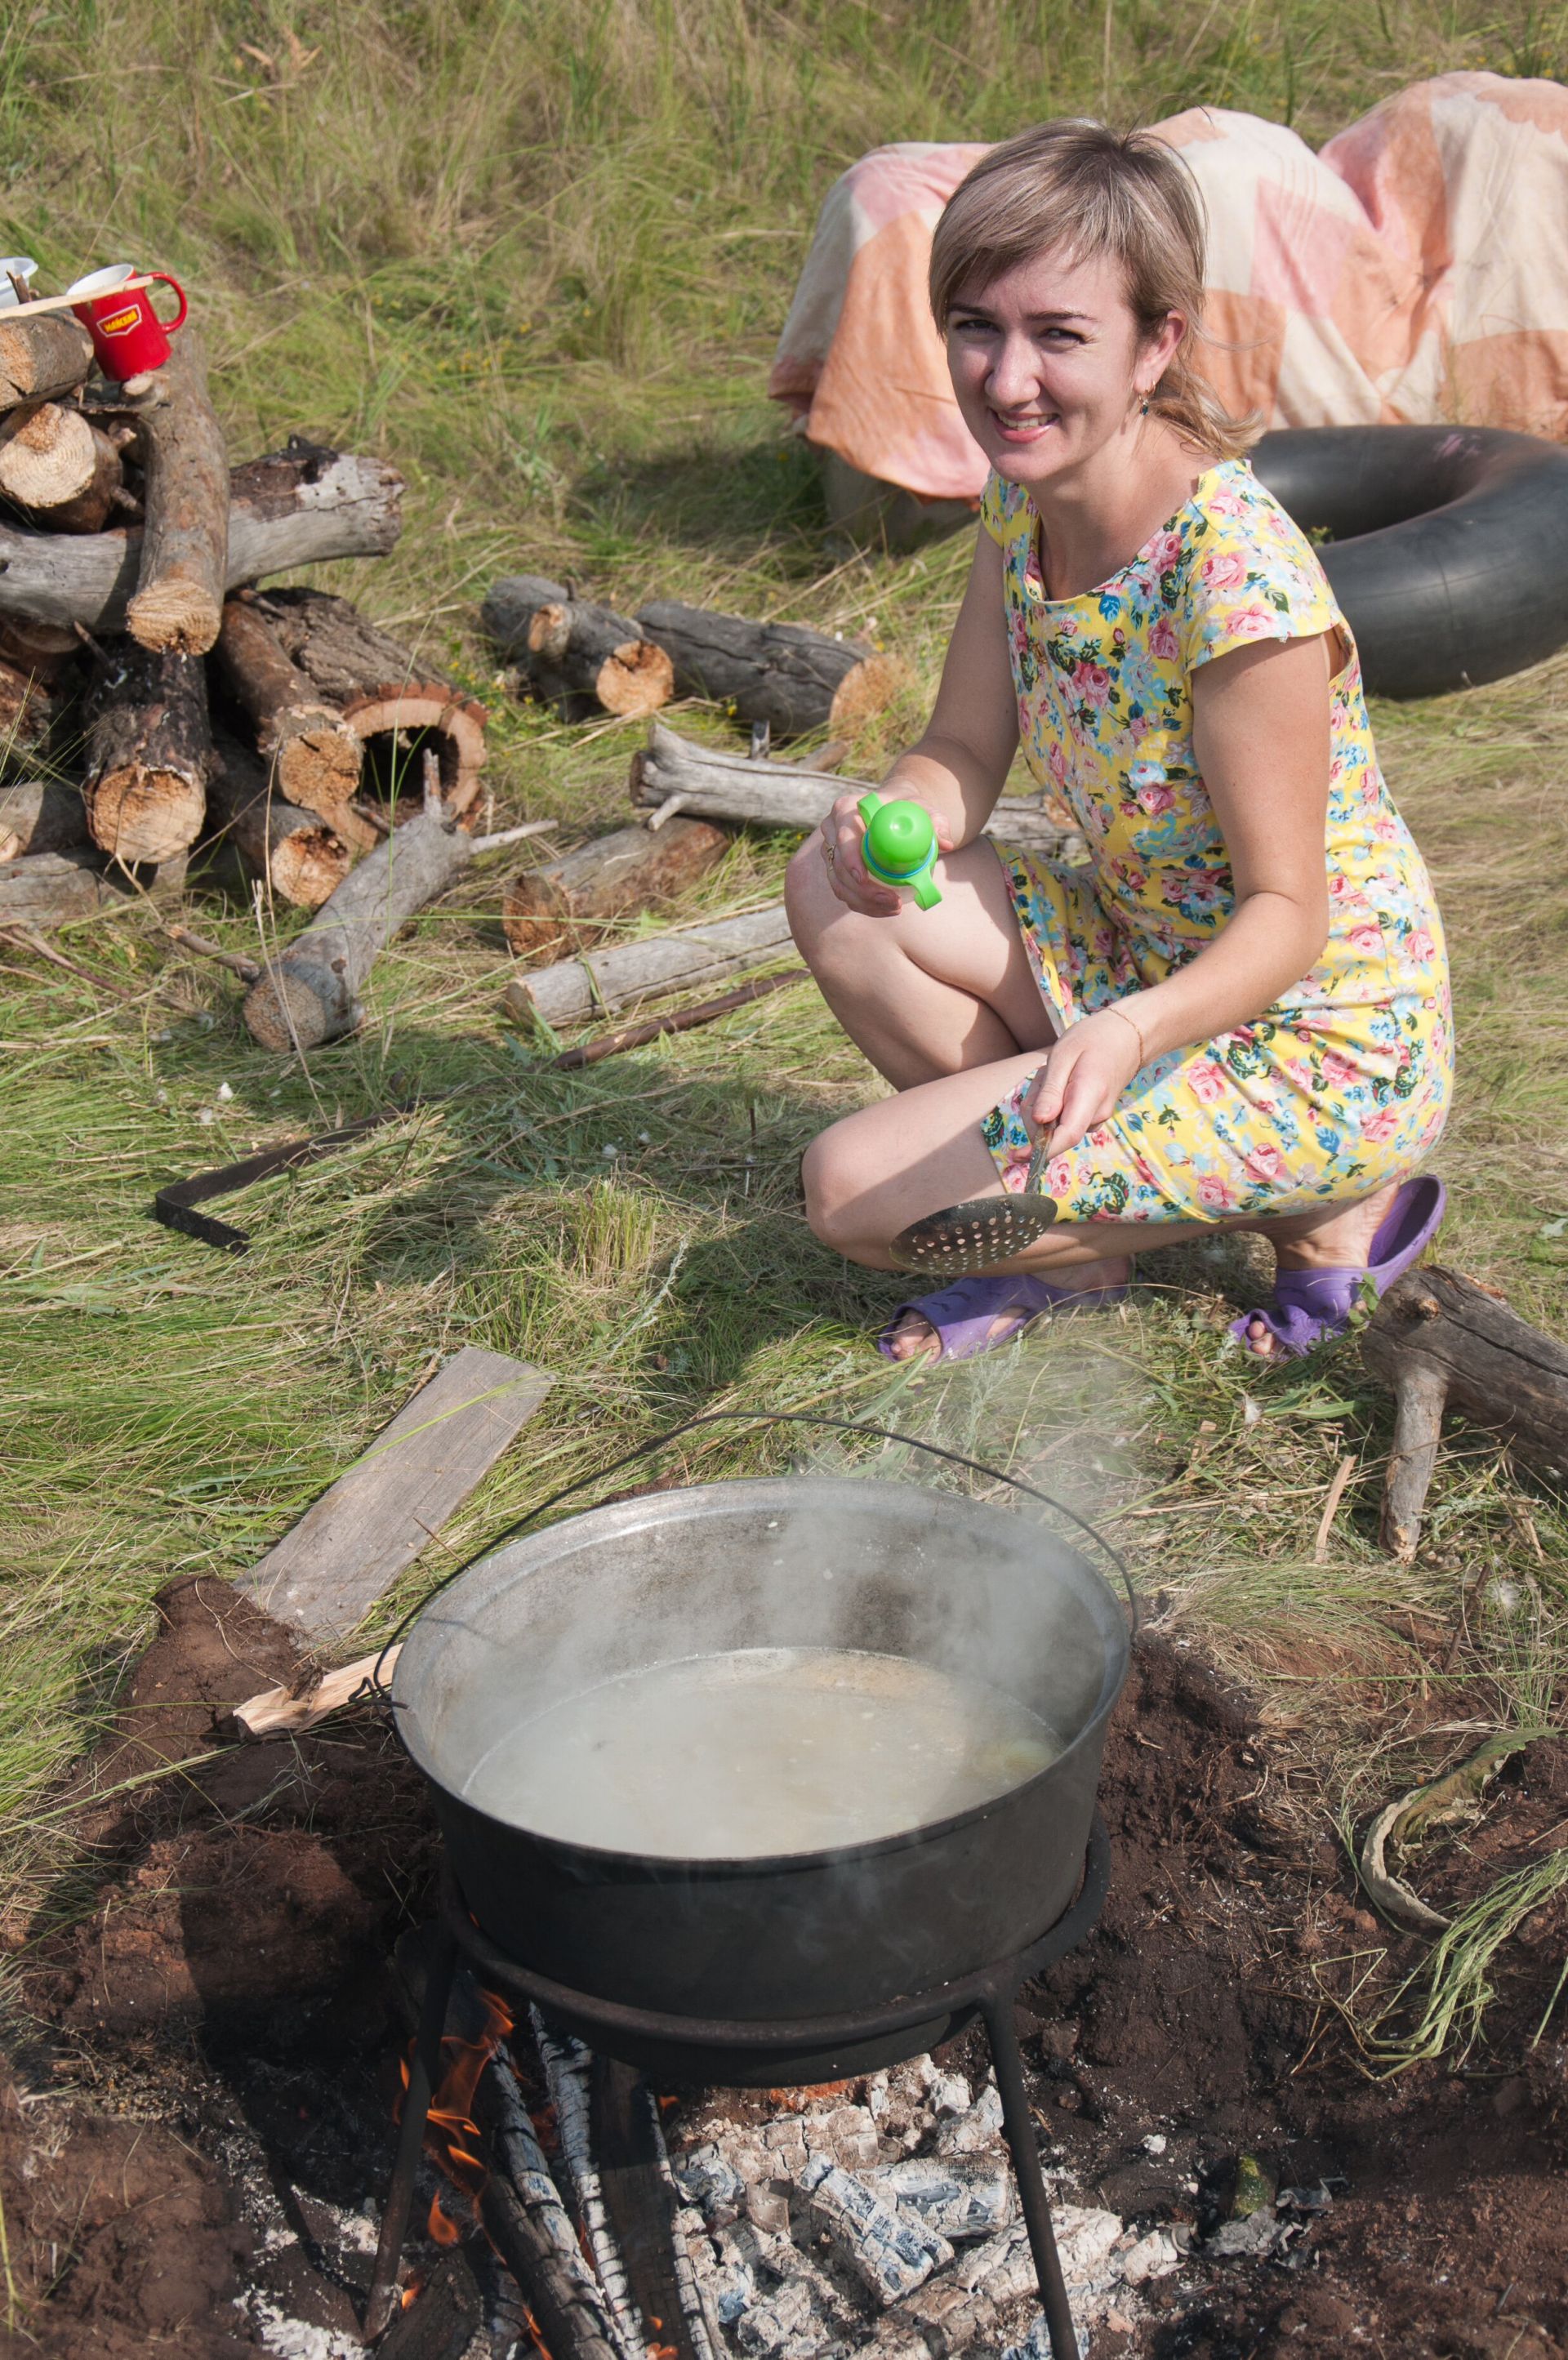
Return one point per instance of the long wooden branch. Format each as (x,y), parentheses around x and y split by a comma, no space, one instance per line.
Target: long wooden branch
(710,785)
(297,507)
(607,980)
(184,550)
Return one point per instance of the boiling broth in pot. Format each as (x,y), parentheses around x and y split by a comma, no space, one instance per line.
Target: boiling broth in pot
(760,1751)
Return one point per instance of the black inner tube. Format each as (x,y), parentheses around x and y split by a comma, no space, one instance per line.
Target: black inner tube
(1447,549)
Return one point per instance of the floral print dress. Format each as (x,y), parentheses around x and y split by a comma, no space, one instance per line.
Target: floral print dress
(1344,1084)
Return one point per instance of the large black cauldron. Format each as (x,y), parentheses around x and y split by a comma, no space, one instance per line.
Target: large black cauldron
(967,1588)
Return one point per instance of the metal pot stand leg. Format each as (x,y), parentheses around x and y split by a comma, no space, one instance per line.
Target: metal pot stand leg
(991,1991)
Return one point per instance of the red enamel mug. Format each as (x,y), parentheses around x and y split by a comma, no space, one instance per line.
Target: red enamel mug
(128,337)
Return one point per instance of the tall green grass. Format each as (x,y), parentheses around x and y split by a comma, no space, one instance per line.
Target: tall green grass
(538,255)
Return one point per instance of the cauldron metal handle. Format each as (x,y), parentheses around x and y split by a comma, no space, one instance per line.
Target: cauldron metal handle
(760,1417)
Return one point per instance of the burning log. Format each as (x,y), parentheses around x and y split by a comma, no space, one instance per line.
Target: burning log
(796,680)
(574,654)
(377,686)
(310,993)
(1442,1340)
(40,358)
(184,550)
(672,774)
(150,753)
(44,888)
(315,757)
(303,860)
(613,979)
(568,2071)
(628,869)
(48,456)
(295,507)
(41,815)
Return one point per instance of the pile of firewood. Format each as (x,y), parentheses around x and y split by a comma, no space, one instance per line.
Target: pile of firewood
(151,700)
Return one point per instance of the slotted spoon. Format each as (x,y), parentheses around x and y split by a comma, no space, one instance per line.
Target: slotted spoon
(979,1233)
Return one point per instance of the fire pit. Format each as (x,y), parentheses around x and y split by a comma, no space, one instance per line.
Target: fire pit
(801,1965)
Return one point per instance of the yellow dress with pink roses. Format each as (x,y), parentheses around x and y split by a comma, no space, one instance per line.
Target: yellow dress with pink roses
(1344,1084)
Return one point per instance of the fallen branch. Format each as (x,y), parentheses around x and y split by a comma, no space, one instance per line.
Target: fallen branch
(41,815)
(295,507)
(310,993)
(44,888)
(183,569)
(715,785)
(628,869)
(795,680)
(683,1019)
(601,981)
(1442,1341)
(200,947)
(574,654)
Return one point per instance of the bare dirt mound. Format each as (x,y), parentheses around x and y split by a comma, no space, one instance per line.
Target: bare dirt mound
(229,1998)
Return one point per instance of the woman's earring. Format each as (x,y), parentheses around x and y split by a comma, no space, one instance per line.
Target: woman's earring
(1145,412)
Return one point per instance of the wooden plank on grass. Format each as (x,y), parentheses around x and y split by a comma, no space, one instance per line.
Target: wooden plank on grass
(346,1552)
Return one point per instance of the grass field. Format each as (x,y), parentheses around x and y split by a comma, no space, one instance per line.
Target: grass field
(537,256)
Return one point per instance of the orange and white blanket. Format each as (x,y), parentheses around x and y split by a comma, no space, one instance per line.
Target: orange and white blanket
(1416,269)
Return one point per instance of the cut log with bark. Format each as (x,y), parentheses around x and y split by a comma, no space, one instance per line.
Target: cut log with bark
(699,780)
(41,815)
(574,655)
(795,680)
(1443,1342)
(382,691)
(48,456)
(41,649)
(601,981)
(178,601)
(300,857)
(26,712)
(150,753)
(102,498)
(44,888)
(40,358)
(314,756)
(310,993)
(297,507)
(568,899)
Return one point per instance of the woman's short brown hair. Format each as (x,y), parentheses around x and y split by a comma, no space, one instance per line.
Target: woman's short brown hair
(1084,189)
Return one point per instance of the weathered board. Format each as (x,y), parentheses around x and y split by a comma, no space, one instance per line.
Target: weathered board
(346,1552)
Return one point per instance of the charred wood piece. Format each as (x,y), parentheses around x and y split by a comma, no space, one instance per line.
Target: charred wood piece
(795,680)
(574,654)
(150,753)
(1442,1341)
(297,507)
(568,899)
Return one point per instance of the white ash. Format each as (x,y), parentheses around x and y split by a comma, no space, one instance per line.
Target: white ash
(891,2248)
(785,2266)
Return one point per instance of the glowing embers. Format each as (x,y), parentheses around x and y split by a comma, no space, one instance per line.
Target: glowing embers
(973,1236)
(451,2133)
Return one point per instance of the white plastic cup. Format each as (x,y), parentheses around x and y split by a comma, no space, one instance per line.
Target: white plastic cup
(13,266)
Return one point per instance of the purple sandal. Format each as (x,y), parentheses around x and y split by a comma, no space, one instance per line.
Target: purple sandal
(1312,1304)
(962,1314)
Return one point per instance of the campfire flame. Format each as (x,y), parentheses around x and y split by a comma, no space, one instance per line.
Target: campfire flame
(451,2132)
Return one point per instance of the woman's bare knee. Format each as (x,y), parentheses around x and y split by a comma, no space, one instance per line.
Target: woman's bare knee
(828,1176)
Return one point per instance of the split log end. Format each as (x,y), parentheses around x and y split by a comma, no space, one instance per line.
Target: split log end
(172,616)
(284,1010)
(636,678)
(140,813)
(867,690)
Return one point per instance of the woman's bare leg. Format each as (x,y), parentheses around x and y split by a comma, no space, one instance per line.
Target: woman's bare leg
(872,1173)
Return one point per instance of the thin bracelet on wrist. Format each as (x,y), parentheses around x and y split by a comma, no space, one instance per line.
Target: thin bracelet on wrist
(1113,1009)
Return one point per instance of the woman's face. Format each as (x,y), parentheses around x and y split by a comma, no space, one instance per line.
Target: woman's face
(1048,365)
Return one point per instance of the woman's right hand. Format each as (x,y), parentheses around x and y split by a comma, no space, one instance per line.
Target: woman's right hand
(841,836)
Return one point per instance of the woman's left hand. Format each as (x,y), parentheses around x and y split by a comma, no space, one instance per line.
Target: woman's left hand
(1082,1079)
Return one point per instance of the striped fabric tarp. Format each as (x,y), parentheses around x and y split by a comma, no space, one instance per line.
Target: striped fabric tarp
(1413,271)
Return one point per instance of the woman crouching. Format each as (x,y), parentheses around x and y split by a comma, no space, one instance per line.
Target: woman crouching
(1237,1015)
